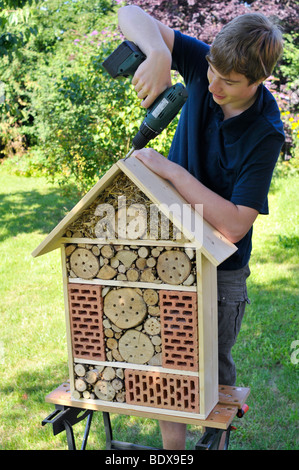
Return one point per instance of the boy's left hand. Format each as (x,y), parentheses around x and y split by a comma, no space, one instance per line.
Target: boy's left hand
(155,161)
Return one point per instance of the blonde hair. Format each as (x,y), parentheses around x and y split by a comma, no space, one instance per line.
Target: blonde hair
(249,44)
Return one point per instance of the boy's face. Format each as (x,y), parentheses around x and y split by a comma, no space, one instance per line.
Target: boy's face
(233,90)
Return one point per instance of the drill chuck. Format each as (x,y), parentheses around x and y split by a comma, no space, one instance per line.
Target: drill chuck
(143,136)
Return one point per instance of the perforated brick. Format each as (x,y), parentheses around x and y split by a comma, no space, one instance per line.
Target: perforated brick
(86,312)
(178,312)
(162,390)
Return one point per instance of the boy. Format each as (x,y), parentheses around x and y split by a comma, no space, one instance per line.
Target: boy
(225,148)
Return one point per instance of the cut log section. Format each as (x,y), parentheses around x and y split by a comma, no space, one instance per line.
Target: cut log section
(84,264)
(152,326)
(173,267)
(104,390)
(126,257)
(150,297)
(125,307)
(136,347)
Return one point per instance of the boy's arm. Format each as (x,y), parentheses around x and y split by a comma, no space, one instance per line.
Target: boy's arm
(232,220)
(156,41)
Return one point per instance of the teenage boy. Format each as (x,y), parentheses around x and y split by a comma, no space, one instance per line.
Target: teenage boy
(226,145)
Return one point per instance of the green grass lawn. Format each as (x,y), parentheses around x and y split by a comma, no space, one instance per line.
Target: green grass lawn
(33,355)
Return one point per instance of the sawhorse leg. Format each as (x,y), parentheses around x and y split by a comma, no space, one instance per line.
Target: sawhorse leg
(64,418)
(112,444)
(213,439)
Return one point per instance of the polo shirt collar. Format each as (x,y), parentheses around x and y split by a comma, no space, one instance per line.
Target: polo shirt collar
(238,124)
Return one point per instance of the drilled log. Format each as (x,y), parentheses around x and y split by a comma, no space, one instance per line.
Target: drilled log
(173,267)
(84,264)
(136,347)
(125,307)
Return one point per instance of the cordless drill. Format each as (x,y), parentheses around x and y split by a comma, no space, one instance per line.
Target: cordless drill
(123,62)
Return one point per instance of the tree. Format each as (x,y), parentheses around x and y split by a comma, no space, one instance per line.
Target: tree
(14,27)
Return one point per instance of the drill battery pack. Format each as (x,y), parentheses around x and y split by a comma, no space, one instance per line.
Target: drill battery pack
(124,61)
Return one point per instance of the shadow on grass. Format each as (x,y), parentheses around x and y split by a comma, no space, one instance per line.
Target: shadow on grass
(34,386)
(32,211)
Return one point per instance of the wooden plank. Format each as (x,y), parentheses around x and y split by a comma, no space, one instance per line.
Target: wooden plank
(52,241)
(122,241)
(207,332)
(232,395)
(220,417)
(213,244)
(140,285)
(67,317)
(128,365)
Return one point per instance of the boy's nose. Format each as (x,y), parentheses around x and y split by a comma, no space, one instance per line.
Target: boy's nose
(215,86)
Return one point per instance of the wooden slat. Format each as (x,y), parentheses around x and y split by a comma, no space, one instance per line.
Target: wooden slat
(220,417)
(207,332)
(52,241)
(123,241)
(129,365)
(137,284)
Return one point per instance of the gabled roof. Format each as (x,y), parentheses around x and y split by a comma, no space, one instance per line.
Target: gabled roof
(212,244)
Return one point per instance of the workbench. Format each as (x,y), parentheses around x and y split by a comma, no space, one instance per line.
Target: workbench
(69,411)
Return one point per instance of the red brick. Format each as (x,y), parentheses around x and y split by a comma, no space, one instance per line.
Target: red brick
(86,313)
(179,330)
(162,390)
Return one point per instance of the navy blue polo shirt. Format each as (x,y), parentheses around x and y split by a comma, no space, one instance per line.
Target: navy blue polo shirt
(234,158)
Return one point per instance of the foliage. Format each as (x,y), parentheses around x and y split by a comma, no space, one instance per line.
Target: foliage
(205,18)
(14,13)
(286,91)
(65,117)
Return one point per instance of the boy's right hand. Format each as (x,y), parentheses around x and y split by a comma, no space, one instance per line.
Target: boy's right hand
(152,77)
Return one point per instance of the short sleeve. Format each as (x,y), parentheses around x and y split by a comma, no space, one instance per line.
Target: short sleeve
(189,56)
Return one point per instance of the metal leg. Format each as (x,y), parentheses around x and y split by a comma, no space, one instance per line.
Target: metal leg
(69,435)
(212,439)
(108,430)
(112,444)
(64,418)
(87,429)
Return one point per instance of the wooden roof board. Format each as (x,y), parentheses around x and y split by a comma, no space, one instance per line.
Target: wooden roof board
(52,241)
(213,245)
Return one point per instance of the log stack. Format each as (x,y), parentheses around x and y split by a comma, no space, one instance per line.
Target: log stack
(133,263)
(104,383)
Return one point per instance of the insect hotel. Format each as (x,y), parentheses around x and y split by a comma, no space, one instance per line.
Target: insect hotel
(139,276)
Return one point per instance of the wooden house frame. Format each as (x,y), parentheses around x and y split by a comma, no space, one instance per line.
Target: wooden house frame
(150,388)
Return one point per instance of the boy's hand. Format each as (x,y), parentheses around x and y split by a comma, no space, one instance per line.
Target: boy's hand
(152,77)
(156,162)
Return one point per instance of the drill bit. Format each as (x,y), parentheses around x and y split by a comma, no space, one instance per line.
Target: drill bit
(130,153)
